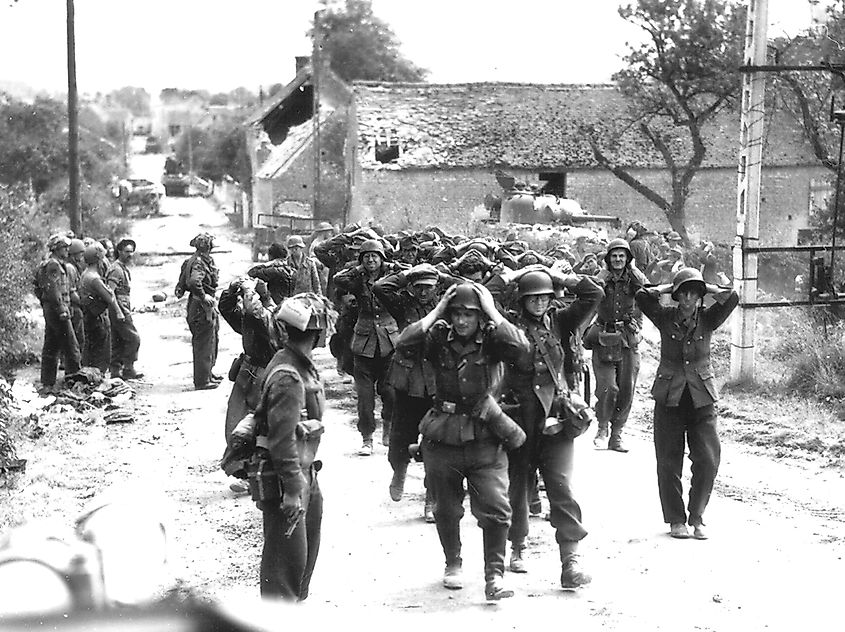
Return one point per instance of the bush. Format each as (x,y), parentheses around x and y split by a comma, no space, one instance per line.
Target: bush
(819,366)
(15,280)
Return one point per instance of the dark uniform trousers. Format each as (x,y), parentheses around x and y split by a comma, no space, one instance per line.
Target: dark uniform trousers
(671,425)
(77,320)
(554,456)
(204,323)
(484,464)
(97,349)
(615,382)
(125,342)
(58,339)
(369,375)
(408,411)
(287,564)
(245,394)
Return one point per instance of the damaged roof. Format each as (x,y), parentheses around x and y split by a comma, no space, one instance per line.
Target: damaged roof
(533,126)
(299,138)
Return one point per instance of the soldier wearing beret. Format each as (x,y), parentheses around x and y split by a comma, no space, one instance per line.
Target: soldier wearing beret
(52,289)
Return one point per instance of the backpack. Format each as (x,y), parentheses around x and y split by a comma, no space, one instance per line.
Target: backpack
(182,283)
(38,280)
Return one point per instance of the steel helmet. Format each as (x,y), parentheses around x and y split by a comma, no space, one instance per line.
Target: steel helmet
(306,311)
(295,241)
(535,283)
(616,244)
(371,245)
(94,253)
(685,276)
(466,297)
(76,247)
(57,241)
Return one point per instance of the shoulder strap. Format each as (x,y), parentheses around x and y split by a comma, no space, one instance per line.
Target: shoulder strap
(541,347)
(260,413)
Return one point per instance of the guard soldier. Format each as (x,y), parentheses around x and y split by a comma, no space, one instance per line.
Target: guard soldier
(97,299)
(373,340)
(684,394)
(465,432)
(537,384)
(51,288)
(125,340)
(614,338)
(199,279)
(283,469)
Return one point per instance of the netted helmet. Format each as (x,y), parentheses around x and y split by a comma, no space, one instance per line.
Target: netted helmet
(57,241)
(203,241)
(306,311)
(534,283)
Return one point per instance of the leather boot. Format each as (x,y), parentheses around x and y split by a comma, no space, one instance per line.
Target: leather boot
(385,432)
(600,441)
(495,539)
(494,589)
(615,442)
(428,510)
(397,483)
(571,574)
(517,563)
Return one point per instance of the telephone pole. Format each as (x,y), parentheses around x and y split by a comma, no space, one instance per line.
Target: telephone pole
(73,127)
(748,192)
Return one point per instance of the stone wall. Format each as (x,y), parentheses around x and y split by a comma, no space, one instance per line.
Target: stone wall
(451,199)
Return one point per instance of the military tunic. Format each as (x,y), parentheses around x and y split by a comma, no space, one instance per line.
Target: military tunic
(125,340)
(53,288)
(200,280)
(96,299)
(287,445)
(684,392)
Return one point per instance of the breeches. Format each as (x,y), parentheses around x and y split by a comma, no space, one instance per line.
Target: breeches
(615,382)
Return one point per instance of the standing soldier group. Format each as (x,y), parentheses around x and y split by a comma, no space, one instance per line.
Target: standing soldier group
(87,309)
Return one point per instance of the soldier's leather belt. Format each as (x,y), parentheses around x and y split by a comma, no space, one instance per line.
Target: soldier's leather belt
(451,408)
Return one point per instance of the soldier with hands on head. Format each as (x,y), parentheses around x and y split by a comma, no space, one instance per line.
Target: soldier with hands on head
(684,394)
(547,409)
(125,340)
(614,338)
(52,289)
(465,433)
(374,338)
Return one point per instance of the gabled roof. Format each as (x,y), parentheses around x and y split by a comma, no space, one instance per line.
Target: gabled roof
(262,111)
(532,126)
(299,138)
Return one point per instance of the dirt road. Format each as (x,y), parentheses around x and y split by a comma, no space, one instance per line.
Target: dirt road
(774,560)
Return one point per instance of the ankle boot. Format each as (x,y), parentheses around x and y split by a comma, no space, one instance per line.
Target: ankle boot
(494,589)
(615,442)
(572,576)
(397,483)
(600,440)
(517,563)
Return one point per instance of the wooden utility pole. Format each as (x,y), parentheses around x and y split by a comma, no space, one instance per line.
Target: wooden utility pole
(748,191)
(72,128)
(316,67)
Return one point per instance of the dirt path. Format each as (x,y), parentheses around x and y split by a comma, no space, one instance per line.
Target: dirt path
(773,561)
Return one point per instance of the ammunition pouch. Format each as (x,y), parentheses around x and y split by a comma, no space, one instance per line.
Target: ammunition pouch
(236,367)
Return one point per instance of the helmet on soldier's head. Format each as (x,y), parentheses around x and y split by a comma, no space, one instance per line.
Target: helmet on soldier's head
(535,283)
(59,240)
(306,311)
(466,297)
(618,244)
(203,241)
(689,277)
(76,247)
(94,253)
(371,245)
(295,241)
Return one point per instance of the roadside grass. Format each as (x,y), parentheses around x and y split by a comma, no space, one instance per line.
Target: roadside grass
(796,405)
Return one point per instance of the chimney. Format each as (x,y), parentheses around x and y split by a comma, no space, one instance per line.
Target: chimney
(302,61)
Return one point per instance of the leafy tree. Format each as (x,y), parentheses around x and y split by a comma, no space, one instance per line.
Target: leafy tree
(361,45)
(675,83)
(136,100)
(217,152)
(15,273)
(242,97)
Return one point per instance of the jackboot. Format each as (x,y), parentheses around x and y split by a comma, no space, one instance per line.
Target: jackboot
(572,575)
(517,563)
(600,440)
(615,442)
(495,539)
(397,483)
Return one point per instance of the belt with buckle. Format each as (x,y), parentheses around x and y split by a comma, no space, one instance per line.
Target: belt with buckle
(451,408)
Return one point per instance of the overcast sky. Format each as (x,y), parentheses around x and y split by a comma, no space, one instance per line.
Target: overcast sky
(219,45)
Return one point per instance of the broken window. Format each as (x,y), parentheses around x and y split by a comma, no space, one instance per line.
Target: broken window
(387,146)
(175,129)
(555,183)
